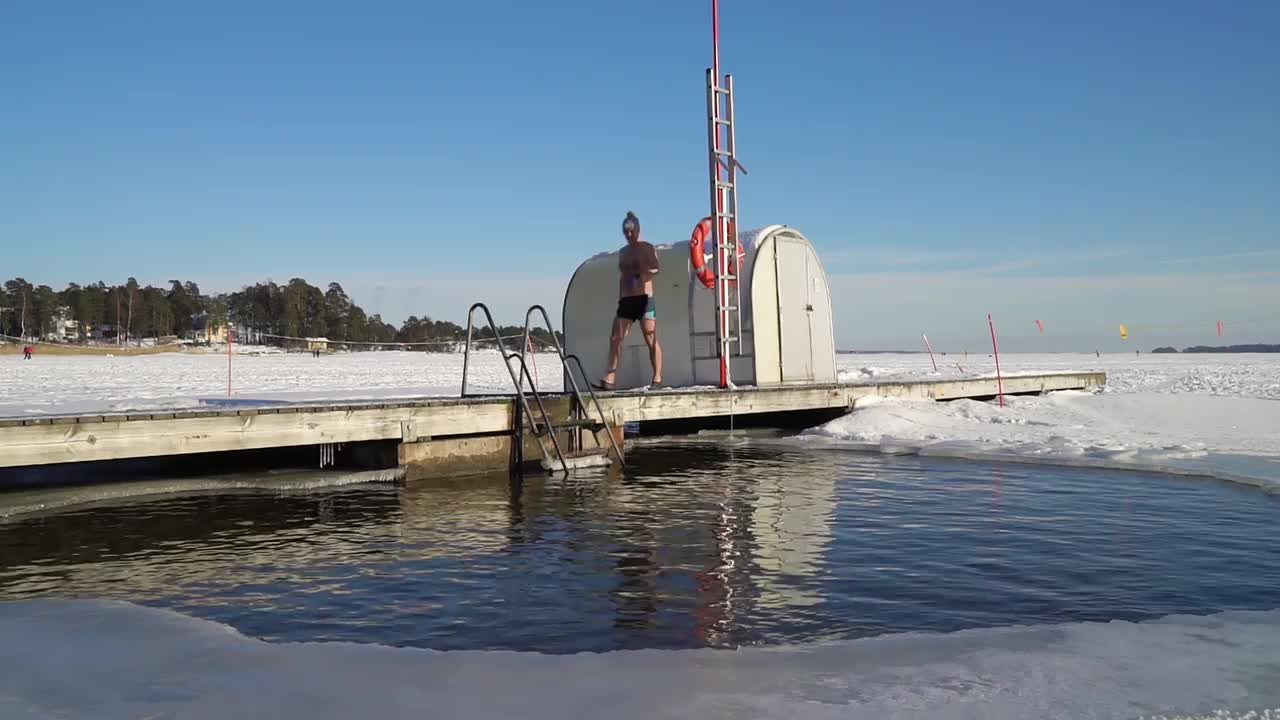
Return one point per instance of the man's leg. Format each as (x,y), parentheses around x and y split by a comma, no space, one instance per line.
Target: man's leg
(621,326)
(650,328)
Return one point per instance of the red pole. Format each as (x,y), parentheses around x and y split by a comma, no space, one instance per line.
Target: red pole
(930,349)
(533,358)
(715,38)
(228,362)
(995,348)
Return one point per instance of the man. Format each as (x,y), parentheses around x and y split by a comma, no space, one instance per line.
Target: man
(637,266)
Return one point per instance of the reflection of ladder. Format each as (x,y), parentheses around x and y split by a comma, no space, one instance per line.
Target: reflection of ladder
(578,418)
(724,168)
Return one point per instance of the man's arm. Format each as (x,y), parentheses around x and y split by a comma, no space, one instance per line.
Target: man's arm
(647,263)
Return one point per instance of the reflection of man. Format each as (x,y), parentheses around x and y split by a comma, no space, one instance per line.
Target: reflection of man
(637,265)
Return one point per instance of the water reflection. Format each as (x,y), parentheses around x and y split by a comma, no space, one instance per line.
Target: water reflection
(697,543)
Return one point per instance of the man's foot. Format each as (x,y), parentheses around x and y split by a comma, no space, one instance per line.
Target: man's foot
(605,386)
(659,385)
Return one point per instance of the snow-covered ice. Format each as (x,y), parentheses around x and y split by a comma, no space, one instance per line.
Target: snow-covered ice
(1243,374)
(54,384)
(67,658)
(1207,415)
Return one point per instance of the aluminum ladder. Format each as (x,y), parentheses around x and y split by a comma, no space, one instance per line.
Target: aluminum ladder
(724,166)
(542,426)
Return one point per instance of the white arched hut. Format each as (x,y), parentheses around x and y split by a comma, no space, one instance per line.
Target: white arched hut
(787,334)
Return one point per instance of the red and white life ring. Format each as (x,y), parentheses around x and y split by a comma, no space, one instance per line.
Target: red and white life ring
(697,253)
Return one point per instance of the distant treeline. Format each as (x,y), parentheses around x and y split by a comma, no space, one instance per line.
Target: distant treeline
(132,312)
(1223,349)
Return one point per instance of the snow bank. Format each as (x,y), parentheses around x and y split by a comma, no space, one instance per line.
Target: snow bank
(1204,415)
(1231,438)
(66,658)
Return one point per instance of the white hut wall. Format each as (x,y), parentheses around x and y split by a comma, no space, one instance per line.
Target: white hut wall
(590,307)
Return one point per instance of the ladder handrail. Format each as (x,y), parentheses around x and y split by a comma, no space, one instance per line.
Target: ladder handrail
(731,132)
(546,320)
(548,427)
(466,349)
(516,380)
(564,362)
(617,451)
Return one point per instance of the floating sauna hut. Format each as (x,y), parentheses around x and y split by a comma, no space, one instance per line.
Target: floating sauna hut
(787,334)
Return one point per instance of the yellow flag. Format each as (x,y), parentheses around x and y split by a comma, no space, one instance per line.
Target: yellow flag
(1124,332)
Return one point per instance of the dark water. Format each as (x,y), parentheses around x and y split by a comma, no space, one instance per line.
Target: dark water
(694,545)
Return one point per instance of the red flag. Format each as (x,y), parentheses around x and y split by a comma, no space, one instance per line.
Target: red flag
(1219,328)
(1041,326)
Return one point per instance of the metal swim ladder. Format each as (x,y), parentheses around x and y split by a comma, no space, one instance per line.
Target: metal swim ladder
(542,426)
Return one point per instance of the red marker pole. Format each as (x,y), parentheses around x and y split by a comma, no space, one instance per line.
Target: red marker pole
(228,362)
(715,38)
(995,349)
(930,349)
(533,358)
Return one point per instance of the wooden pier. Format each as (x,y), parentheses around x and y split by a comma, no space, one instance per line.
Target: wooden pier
(442,436)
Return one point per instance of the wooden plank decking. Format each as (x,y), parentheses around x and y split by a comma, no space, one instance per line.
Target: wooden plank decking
(63,439)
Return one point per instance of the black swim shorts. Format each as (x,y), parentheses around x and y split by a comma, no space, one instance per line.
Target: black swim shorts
(636,307)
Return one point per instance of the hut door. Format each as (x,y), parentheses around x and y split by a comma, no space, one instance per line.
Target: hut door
(794,334)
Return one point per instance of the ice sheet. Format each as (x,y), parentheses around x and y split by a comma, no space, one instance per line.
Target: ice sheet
(52,383)
(1232,438)
(1243,375)
(1206,415)
(70,658)
(174,381)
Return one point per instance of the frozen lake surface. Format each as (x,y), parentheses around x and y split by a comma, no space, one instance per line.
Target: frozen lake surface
(910,560)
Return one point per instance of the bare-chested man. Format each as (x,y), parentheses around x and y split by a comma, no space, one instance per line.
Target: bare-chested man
(637,266)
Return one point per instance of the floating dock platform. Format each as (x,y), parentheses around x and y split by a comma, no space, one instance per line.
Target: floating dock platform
(446,435)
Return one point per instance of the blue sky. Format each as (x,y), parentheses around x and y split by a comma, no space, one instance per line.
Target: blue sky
(1085,163)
